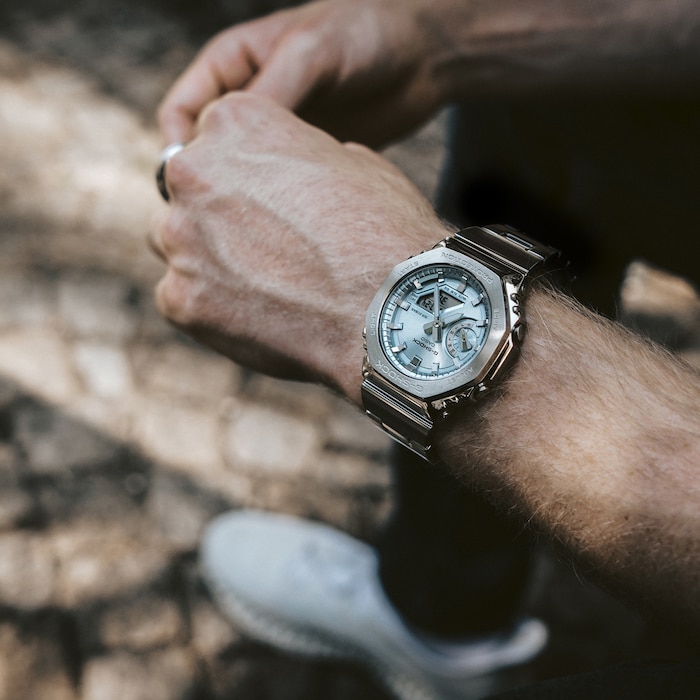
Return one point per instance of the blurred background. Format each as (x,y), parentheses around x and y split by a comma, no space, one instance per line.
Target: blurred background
(119,438)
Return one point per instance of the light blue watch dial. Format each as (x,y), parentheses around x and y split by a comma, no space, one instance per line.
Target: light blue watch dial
(435,321)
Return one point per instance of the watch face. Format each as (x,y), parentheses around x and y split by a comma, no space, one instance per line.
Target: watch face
(435,321)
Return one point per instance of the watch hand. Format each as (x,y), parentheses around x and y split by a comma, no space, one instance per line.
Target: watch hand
(437,325)
(447,320)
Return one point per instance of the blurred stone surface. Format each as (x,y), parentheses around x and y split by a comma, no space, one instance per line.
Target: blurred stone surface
(32,664)
(104,369)
(177,433)
(37,359)
(211,632)
(52,443)
(142,623)
(184,372)
(265,438)
(96,307)
(664,307)
(16,504)
(27,571)
(98,560)
(161,675)
(179,516)
(28,299)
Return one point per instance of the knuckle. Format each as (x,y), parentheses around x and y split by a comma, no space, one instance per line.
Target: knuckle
(165,108)
(303,40)
(359,148)
(173,299)
(178,236)
(222,43)
(170,234)
(237,107)
(180,173)
(162,113)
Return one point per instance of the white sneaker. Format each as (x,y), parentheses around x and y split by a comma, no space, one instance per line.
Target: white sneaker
(309,589)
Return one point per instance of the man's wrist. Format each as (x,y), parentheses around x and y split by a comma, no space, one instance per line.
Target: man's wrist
(342,371)
(494,416)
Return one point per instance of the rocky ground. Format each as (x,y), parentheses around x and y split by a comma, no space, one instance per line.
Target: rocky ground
(119,438)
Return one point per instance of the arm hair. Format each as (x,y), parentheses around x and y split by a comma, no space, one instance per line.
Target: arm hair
(595,440)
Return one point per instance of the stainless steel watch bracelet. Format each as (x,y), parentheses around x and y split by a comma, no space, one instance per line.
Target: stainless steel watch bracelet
(409,419)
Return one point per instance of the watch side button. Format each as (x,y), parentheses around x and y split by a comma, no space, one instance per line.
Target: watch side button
(519,333)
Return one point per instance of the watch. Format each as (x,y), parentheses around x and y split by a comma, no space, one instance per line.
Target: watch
(445,327)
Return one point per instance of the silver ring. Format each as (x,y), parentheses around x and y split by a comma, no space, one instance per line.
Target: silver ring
(167,153)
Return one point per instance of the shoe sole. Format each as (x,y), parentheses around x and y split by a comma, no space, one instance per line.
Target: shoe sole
(264,627)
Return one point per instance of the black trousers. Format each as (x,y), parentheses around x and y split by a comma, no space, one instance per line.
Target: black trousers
(636,680)
(450,563)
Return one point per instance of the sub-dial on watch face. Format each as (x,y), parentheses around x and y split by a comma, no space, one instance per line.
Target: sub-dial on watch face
(435,321)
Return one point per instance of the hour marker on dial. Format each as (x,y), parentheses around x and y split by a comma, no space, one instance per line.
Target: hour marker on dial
(398,348)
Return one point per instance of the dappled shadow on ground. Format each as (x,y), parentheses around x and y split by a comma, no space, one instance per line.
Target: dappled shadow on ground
(99,590)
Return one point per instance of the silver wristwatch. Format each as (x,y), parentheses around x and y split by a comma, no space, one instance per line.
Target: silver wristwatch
(445,326)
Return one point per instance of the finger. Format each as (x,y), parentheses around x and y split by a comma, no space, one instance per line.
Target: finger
(154,237)
(226,64)
(298,66)
(154,244)
(169,297)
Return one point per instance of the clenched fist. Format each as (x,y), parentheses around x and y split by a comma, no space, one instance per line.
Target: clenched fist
(278,236)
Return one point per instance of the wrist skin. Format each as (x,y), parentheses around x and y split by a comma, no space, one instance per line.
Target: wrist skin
(593,438)
(481,48)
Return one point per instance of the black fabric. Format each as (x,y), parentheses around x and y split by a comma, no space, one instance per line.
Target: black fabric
(449,562)
(638,680)
(606,180)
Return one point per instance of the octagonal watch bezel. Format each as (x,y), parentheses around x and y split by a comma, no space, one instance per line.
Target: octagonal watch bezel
(474,372)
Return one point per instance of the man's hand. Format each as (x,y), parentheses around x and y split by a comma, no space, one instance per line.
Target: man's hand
(373,70)
(358,69)
(278,236)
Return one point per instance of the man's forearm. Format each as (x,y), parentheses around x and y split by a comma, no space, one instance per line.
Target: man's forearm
(594,439)
(595,434)
(511,47)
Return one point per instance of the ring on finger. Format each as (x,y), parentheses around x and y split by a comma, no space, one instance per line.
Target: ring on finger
(167,153)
